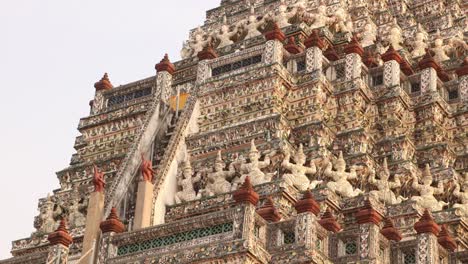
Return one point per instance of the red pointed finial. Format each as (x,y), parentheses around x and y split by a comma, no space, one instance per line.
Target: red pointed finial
(112,223)
(61,235)
(292,47)
(367,214)
(369,59)
(389,231)
(428,61)
(104,83)
(307,204)
(331,54)
(463,69)
(165,65)
(208,53)
(328,221)
(392,54)
(446,240)
(314,40)
(406,68)
(426,224)
(246,193)
(268,211)
(275,33)
(354,47)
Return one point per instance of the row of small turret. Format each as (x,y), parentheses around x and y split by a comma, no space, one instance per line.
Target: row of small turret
(414,41)
(325,174)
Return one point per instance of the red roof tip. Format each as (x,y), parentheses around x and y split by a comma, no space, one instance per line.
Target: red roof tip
(392,54)
(61,235)
(165,65)
(314,40)
(268,211)
(328,221)
(275,34)
(104,83)
(389,231)
(208,52)
(112,223)
(354,47)
(307,204)
(426,224)
(246,193)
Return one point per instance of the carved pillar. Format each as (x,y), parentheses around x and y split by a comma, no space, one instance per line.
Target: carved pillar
(273,52)
(353,59)
(143,205)
(314,59)
(369,232)
(429,74)
(164,70)
(392,61)
(93,219)
(247,198)
(203,71)
(462,73)
(59,240)
(427,245)
(111,226)
(98,103)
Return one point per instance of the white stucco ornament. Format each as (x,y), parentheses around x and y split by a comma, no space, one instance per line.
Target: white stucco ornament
(340,178)
(426,198)
(298,176)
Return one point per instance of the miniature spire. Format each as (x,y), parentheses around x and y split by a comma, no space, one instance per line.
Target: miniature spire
(112,223)
(463,70)
(292,47)
(314,40)
(329,222)
(268,211)
(426,224)
(391,54)
(246,193)
(427,172)
(354,47)
(275,33)
(406,68)
(367,214)
(165,65)
(389,231)
(307,204)
(446,240)
(331,54)
(428,61)
(369,60)
(208,52)
(103,84)
(61,235)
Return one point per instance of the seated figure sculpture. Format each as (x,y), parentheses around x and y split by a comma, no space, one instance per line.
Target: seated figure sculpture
(251,25)
(426,199)
(319,18)
(224,35)
(384,192)
(298,177)
(340,183)
(188,191)
(253,168)
(462,208)
(218,179)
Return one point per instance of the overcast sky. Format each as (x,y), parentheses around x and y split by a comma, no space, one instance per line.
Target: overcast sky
(51,54)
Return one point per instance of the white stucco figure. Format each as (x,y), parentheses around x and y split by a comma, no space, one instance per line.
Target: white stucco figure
(251,25)
(384,192)
(298,177)
(219,178)
(224,35)
(419,43)
(186,51)
(198,42)
(343,22)
(75,217)
(319,18)
(186,182)
(369,35)
(339,183)
(395,37)
(462,194)
(47,223)
(426,199)
(253,168)
(282,15)
(440,50)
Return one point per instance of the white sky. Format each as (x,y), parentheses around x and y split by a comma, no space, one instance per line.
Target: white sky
(51,54)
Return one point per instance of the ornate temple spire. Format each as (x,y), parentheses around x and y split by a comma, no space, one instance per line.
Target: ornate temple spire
(328,221)
(389,231)
(112,223)
(268,211)
(246,193)
(307,204)
(104,83)
(61,235)
(426,224)
(165,65)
